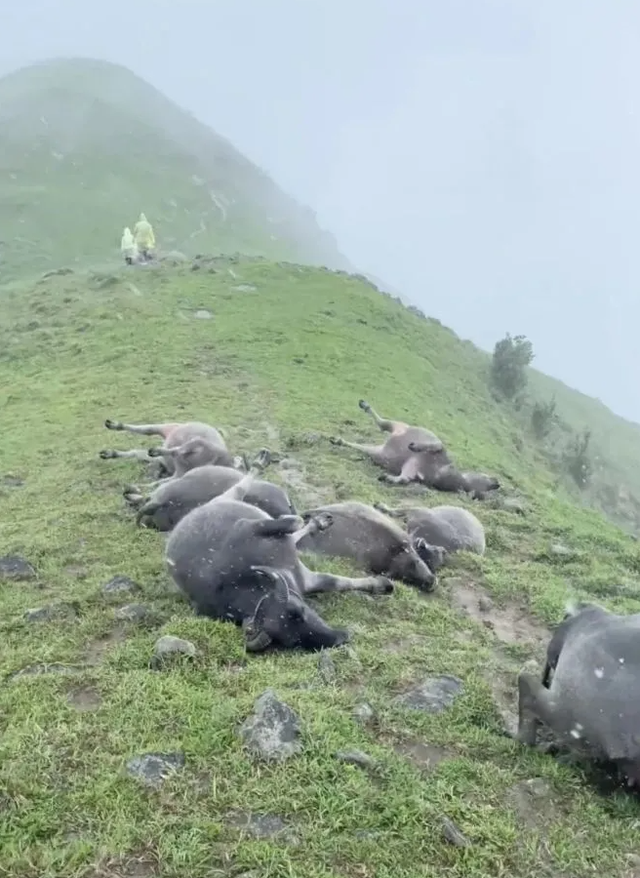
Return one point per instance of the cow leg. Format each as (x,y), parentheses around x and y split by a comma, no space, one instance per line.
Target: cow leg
(398,512)
(408,473)
(375,452)
(141,429)
(239,490)
(133,454)
(315,583)
(534,706)
(384,424)
(431,447)
(286,525)
(133,495)
(314,522)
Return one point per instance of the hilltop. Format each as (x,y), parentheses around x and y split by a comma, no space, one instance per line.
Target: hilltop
(86,145)
(275,354)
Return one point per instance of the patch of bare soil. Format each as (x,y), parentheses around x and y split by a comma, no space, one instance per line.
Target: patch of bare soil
(95,649)
(510,623)
(143,866)
(84,698)
(405,644)
(533,802)
(424,756)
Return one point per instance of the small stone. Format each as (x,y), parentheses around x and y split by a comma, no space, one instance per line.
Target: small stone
(485,604)
(132,613)
(326,668)
(560,551)
(454,835)
(52,612)
(203,314)
(513,504)
(16,568)
(245,288)
(273,731)
(11,481)
(363,713)
(120,585)
(434,695)
(168,645)
(357,757)
(261,825)
(153,768)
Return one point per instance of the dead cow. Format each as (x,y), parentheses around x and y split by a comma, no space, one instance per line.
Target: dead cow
(175,497)
(174,436)
(236,563)
(593,699)
(440,531)
(372,540)
(401,463)
(415,454)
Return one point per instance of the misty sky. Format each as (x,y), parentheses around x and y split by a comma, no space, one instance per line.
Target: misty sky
(481,156)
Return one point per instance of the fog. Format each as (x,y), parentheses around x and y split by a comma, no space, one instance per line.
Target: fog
(481,156)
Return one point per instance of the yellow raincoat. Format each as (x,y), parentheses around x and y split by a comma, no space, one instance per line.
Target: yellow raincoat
(143,233)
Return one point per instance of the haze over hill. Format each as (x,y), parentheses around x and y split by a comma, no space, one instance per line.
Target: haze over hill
(86,145)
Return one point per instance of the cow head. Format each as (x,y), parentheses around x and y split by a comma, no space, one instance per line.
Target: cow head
(282,618)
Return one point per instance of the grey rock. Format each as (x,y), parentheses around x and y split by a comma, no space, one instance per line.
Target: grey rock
(273,731)
(326,667)
(454,835)
(57,272)
(261,825)
(120,585)
(153,768)
(52,612)
(357,757)
(203,314)
(11,481)
(363,713)
(433,695)
(133,613)
(168,645)
(16,568)
(485,604)
(245,288)
(513,504)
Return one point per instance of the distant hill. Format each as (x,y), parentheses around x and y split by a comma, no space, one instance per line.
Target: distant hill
(86,145)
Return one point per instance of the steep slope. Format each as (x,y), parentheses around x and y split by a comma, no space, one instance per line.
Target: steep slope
(282,360)
(86,145)
(615,440)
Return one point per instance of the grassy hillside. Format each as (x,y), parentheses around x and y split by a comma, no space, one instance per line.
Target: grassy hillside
(282,360)
(615,441)
(86,145)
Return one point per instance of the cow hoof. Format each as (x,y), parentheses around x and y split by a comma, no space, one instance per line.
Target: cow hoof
(384,586)
(112,425)
(322,520)
(106,455)
(263,459)
(336,440)
(364,405)
(131,489)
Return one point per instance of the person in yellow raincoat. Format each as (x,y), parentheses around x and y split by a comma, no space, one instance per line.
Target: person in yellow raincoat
(128,247)
(144,237)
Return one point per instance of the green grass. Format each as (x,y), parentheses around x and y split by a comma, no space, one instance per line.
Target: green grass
(102,143)
(284,366)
